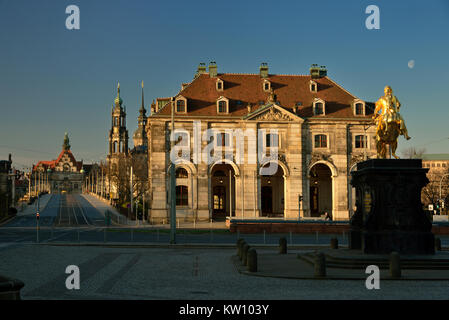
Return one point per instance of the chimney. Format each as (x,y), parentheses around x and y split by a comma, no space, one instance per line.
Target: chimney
(201,69)
(212,69)
(315,71)
(323,71)
(263,70)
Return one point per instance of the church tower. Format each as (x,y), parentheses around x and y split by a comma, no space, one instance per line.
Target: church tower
(118,135)
(140,136)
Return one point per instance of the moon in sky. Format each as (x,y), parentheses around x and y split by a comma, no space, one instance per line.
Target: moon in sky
(411,64)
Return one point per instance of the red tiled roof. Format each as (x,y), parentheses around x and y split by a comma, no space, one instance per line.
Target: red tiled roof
(52,164)
(242,89)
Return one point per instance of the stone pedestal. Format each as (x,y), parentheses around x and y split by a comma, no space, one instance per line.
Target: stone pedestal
(389,215)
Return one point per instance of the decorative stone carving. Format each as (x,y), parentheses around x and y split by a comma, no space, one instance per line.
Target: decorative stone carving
(320,157)
(273,114)
(279,157)
(356,158)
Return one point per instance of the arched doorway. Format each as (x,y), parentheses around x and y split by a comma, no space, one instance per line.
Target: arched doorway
(320,190)
(222,191)
(272,191)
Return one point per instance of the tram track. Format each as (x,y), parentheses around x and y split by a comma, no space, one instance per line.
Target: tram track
(71,213)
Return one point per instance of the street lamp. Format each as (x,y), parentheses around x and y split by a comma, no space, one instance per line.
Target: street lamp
(441,181)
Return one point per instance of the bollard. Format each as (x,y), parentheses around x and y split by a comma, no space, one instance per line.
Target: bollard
(132,235)
(316,236)
(395,265)
(238,244)
(334,243)
(78,235)
(437,244)
(320,265)
(282,246)
(240,249)
(104,235)
(251,258)
(245,249)
(264,240)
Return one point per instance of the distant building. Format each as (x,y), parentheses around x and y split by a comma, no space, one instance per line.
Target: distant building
(436,162)
(5,187)
(121,158)
(64,174)
(438,175)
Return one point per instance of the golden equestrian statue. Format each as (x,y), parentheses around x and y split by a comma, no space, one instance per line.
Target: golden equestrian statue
(389,122)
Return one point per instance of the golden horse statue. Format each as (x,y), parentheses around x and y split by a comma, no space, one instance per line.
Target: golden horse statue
(390,124)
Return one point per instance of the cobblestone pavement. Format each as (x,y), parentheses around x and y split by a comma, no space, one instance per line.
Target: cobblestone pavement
(171,273)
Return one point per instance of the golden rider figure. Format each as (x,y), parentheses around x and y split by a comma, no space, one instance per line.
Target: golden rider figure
(389,106)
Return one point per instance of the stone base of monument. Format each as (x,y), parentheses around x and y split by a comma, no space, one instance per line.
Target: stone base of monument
(345,264)
(10,288)
(390,215)
(405,242)
(356,259)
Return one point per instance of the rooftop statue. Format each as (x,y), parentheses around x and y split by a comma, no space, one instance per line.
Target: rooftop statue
(390,123)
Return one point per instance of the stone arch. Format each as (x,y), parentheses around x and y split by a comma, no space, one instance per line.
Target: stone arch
(225,161)
(327,163)
(321,188)
(181,163)
(280,163)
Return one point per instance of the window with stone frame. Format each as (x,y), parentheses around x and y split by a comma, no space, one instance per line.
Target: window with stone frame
(222,107)
(223,139)
(359,109)
(272,140)
(180,105)
(360,141)
(320,141)
(319,108)
(182,196)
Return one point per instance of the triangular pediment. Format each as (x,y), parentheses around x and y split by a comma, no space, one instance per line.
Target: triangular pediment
(272,112)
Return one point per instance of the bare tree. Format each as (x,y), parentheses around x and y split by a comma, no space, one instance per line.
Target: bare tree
(431,192)
(413,153)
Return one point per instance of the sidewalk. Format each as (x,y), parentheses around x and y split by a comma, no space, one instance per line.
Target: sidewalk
(32,209)
(103,206)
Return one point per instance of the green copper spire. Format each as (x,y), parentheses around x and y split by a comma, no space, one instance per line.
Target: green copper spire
(66,145)
(118,100)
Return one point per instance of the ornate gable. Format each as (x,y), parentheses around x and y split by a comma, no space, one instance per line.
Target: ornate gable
(272,112)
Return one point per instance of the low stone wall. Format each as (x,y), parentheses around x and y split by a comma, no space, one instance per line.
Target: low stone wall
(288,227)
(254,227)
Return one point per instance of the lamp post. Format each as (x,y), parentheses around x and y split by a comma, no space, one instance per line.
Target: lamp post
(441,182)
(48,185)
(172,180)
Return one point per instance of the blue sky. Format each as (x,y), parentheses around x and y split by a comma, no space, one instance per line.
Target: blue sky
(55,80)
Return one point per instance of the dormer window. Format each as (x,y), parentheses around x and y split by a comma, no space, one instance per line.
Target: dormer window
(266,86)
(319,107)
(222,105)
(359,107)
(181,104)
(313,86)
(220,85)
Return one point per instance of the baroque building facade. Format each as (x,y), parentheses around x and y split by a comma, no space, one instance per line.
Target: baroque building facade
(310,129)
(64,174)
